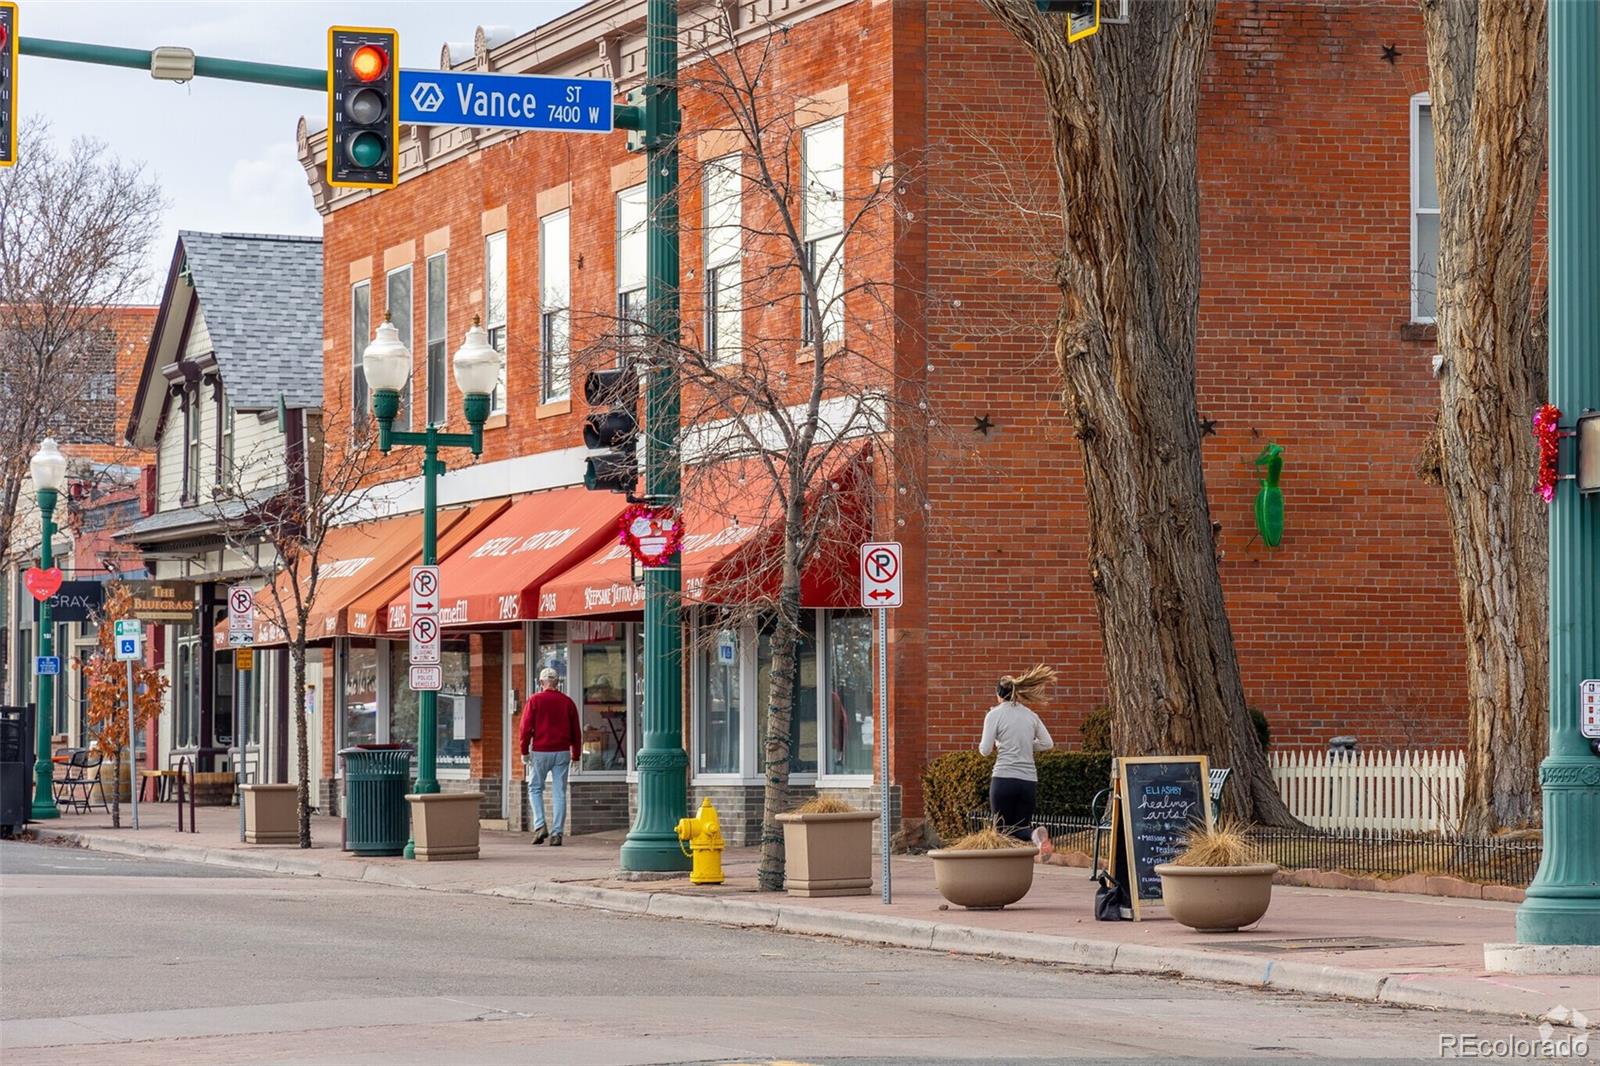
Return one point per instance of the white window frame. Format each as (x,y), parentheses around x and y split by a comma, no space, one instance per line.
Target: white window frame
(825,716)
(429,340)
(359,405)
(555,314)
(494,251)
(728,261)
(408,398)
(632,246)
(830,237)
(748,753)
(1418,102)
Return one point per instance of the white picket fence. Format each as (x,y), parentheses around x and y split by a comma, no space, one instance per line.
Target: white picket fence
(1412,790)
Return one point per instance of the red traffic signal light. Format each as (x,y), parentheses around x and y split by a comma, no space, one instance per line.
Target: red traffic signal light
(369,62)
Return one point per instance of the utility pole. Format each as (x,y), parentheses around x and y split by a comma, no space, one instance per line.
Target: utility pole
(663,766)
(1563,902)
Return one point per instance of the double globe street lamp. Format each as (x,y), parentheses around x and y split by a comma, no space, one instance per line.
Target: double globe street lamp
(387,365)
(49,469)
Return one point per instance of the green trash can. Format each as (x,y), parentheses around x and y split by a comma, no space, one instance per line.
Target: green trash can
(377,819)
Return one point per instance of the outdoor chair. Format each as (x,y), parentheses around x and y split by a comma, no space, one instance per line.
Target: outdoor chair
(78,781)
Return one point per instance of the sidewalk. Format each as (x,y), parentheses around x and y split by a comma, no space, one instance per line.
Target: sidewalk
(1428,951)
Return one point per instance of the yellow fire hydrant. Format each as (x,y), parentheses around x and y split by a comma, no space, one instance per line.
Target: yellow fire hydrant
(704,835)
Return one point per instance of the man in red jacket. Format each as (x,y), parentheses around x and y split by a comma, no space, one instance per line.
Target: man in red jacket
(551,730)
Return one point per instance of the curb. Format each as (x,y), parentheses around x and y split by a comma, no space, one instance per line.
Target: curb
(1409,991)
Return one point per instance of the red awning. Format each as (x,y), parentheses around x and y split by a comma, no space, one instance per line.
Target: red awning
(496,577)
(731,549)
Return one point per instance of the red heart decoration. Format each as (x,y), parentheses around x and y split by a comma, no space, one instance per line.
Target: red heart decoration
(42,584)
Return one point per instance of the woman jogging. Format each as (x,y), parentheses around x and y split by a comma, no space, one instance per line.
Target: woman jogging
(1015,732)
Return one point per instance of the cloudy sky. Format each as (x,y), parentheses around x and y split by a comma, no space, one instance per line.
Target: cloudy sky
(224,152)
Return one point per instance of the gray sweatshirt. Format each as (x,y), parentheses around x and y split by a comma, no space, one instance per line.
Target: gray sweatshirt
(1017,732)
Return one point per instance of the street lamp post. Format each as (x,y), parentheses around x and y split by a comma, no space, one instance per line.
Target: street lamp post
(387,364)
(49,469)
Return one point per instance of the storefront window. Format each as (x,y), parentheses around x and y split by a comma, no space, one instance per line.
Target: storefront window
(719,702)
(361,693)
(603,711)
(185,698)
(636,642)
(404,704)
(803,714)
(552,644)
(226,683)
(850,720)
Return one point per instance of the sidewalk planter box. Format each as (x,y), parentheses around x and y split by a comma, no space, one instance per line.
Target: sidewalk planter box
(1217,899)
(269,814)
(983,879)
(444,825)
(828,854)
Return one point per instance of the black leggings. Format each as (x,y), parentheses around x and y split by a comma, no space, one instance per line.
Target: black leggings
(1012,800)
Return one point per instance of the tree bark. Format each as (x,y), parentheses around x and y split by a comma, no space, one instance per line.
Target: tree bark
(1122,109)
(785,645)
(302,750)
(1489,93)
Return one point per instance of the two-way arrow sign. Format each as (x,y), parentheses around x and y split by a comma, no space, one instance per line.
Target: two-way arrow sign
(881,575)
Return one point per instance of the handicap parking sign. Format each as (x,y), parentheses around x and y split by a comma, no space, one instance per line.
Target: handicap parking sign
(47,665)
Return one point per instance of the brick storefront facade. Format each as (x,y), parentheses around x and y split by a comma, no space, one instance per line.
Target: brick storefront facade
(1306,340)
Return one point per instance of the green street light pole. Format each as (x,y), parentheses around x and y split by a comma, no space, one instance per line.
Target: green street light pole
(387,365)
(44,801)
(663,766)
(1563,902)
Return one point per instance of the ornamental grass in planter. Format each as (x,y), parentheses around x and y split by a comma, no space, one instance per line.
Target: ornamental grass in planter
(1219,883)
(827,846)
(985,870)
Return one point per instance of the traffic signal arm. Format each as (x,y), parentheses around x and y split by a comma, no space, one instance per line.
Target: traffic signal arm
(204,66)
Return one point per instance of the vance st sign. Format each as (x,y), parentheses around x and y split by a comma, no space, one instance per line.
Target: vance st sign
(506,101)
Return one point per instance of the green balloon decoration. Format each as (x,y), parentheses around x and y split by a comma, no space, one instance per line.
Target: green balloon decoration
(1269,501)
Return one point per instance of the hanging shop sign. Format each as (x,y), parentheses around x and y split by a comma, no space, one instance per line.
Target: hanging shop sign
(162,601)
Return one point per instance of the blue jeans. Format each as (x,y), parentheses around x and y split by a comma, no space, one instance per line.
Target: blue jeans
(541,763)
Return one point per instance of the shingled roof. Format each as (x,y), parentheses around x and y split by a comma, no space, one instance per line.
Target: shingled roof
(262,298)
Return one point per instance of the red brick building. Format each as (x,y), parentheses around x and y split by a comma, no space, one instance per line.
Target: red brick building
(1316,228)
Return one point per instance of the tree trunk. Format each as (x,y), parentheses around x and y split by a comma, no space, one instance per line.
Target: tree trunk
(785,644)
(1488,86)
(302,749)
(116,789)
(1122,109)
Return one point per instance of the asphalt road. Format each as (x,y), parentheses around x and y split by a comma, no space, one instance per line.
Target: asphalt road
(111,959)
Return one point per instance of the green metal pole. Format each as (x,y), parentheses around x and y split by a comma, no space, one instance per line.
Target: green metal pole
(314,79)
(652,844)
(44,802)
(1563,903)
(428,700)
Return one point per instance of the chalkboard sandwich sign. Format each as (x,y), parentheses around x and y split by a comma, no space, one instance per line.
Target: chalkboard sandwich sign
(1160,798)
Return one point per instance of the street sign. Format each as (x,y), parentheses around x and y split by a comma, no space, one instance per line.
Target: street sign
(425,640)
(128,649)
(127,627)
(506,101)
(1589,709)
(241,616)
(424,590)
(244,659)
(427,678)
(881,575)
(47,665)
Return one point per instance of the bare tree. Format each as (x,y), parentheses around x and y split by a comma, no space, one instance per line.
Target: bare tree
(75,227)
(796,418)
(284,525)
(1489,108)
(1122,113)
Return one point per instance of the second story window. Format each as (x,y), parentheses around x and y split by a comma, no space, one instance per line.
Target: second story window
(632,235)
(438,288)
(397,302)
(724,335)
(555,296)
(494,308)
(822,162)
(1424,213)
(224,473)
(360,337)
(191,444)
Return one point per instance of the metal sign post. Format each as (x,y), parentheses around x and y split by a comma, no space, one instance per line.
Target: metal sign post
(129,635)
(882,587)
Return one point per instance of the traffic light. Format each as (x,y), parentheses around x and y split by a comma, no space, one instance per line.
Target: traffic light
(612,430)
(363,111)
(1083,16)
(8,84)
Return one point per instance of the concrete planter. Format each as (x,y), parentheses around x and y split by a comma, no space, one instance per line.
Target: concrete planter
(1217,899)
(444,825)
(270,815)
(828,854)
(983,879)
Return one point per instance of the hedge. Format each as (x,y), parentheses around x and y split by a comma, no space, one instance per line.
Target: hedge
(956,784)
